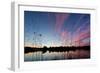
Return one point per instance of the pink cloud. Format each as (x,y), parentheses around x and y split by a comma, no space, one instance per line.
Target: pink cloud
(82,36)
(60,18)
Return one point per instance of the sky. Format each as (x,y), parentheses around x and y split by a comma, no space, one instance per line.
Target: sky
(56,29)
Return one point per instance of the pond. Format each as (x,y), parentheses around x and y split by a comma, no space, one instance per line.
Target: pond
(40,56)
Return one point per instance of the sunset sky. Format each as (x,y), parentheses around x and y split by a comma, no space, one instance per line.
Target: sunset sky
(56,29)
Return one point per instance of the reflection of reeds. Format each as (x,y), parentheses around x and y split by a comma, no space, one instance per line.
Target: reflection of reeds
(55,49)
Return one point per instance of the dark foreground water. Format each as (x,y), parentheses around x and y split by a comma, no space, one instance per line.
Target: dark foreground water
(40,56)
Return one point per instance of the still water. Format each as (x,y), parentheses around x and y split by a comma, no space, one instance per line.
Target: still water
(40,56)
